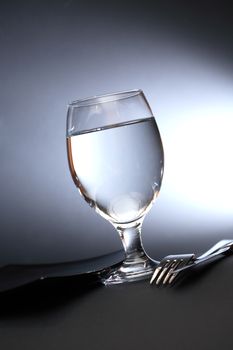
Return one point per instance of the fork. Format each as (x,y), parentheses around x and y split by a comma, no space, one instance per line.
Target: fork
(170,266)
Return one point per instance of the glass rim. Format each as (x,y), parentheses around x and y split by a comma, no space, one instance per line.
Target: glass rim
(104,98)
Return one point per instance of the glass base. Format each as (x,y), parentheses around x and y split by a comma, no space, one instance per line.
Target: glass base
(132,269)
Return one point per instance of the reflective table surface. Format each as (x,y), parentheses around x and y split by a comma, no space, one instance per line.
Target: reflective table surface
(77,312)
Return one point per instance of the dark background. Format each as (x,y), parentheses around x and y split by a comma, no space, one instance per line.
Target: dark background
(181,54)
(52,52)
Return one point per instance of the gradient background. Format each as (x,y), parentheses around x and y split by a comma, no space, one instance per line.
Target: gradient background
(180,53)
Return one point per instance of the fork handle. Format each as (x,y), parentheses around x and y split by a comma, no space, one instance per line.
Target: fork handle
(198,261)
(225,243)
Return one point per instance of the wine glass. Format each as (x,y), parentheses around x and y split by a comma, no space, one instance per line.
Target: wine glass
(116,160)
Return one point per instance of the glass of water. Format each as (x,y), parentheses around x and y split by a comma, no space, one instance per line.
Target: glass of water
(116,160)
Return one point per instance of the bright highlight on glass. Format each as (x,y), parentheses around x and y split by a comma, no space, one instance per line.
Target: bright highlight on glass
(116,160)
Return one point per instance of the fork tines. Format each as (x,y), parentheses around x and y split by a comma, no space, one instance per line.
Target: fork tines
(164,273)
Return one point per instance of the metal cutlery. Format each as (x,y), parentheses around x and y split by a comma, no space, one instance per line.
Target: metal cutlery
(170,266)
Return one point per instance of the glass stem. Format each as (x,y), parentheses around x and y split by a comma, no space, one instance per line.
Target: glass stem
(137,265)
(131,239)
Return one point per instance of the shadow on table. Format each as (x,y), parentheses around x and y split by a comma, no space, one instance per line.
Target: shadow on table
(22,292)
(46,295)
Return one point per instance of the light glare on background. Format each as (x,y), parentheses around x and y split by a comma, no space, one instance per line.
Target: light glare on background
(199,161)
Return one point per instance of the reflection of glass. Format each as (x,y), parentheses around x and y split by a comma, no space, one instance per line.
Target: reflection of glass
(116,160)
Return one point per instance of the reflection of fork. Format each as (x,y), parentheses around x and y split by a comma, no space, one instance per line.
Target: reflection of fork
(170,266)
